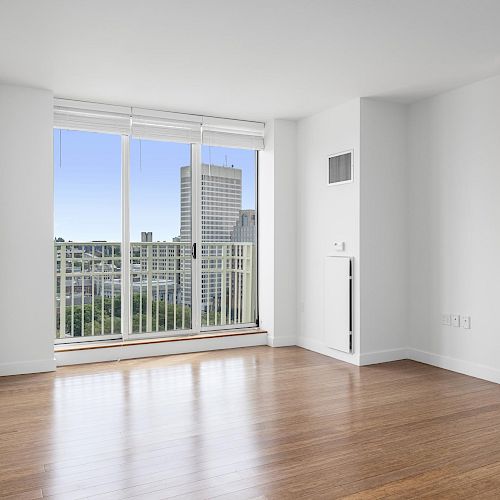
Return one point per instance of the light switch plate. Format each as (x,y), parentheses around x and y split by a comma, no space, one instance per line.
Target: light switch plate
(455,320)
(465,322)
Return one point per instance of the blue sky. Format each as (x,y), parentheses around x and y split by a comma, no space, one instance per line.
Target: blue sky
(87,183)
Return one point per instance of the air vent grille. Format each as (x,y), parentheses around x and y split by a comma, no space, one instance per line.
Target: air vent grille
(340,168)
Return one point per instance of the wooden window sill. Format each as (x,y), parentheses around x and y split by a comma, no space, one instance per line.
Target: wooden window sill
(118,343)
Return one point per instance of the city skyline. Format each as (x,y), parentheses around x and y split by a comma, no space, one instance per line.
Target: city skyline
(87,185)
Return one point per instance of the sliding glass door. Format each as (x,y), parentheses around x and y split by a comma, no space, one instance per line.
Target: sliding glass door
(153,238)
(228,237)
(160,237)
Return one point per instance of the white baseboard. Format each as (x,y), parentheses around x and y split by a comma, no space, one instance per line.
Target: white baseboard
(457,365)
(448,363)
(319,347)
(453,364)
(281,341)
(78,357)
(372,358)
(25,367)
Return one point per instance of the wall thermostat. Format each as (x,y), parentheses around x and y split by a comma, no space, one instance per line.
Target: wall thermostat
(339,246)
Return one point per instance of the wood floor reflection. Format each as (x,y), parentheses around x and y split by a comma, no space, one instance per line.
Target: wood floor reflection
(249,423)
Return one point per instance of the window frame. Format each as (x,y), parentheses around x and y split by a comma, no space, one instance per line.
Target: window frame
(196,271)
(256,292)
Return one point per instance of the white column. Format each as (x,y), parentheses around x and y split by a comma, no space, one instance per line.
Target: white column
(27,313)
(277,233)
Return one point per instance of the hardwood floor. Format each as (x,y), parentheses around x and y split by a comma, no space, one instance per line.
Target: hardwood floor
(249,423)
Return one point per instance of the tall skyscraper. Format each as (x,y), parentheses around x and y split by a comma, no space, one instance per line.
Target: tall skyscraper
(220,210)
(220,202)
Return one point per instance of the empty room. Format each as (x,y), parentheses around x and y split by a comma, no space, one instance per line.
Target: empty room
(249,250)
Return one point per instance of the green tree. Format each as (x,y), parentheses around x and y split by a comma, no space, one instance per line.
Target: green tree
(101,317)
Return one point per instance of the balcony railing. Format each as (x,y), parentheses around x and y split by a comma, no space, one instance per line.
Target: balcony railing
(160,287)
(227,283)
(89,287)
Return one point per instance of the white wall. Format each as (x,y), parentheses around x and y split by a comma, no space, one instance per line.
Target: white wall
(455,227)
(325,214)
(277,213)
(26,225)
(420,219)
(383,231)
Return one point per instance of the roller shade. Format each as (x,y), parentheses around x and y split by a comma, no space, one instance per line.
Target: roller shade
(233,133)
(78,115)
(165,126)
(158,125)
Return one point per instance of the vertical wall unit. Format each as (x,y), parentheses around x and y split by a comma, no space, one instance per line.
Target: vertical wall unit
(338,303)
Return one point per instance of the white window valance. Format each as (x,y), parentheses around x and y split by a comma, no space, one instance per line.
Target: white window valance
(166,126)
(91,117)
(158,125)
(233,133)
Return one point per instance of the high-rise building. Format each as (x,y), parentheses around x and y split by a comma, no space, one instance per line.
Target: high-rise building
(220,210)
(220,202)
(245,228)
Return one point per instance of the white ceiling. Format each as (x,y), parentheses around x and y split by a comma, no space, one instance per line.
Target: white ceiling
(254,59)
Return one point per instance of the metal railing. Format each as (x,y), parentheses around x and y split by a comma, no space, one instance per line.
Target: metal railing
(88,290)
(160,287)
(227,283)
(88,287)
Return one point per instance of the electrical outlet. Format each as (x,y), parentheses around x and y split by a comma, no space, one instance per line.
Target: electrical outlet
(446,319)
(465,322)
(455,320)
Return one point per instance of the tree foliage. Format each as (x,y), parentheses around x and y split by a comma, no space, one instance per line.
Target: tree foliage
(108,311)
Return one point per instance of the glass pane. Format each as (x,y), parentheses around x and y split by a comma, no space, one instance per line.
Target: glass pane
(87,222)
(229,236)
(160,236)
